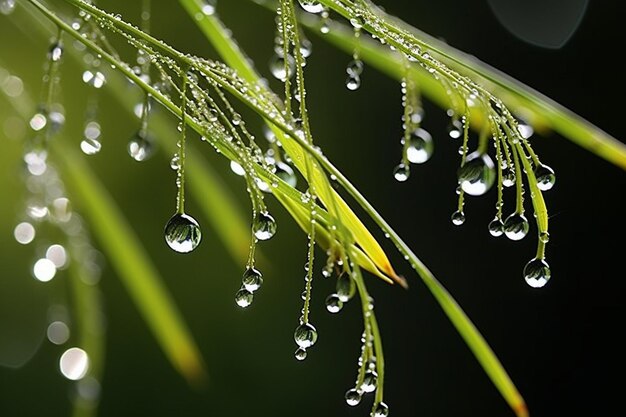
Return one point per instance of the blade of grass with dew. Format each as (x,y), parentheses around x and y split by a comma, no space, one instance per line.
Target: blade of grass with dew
(217,34)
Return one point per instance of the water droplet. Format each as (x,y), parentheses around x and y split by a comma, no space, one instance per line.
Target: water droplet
(252,279)
(544,237)
(140,146)
(95,79)
(44,270)
(90,146)
(508,178)
(420,146)
(369,381)
(353,397)
(58,332)
(300,354)
(334,303)
(525,130)
(357,21)
(56,52)
(38,121)
(455,128)
(175,162)
(58,255)
(24,233)
(496,227)
(401,172)
(278,68)
(311,6)
(264,226)
(286,173)
(305,335)
(477,175)
(537,272)
(243,298)
(306,47)
(353,82)
(208,7)
(355,67)
(182,233)
(74,363)
(545,177)
(516,226)
(458,218)
(7,6)
(381,410)
(345,287)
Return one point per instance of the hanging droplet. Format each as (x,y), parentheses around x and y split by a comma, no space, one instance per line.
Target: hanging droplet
(455,128)
(243,298)
(458,218)
(208,7)
(353,82)
(353,397)
(24,233)
(140,146)
(90,146)
(300,354)
(345,287)
(55,52)
(496,227)
(369,381)
(182,233)
(264,226)
(305,335)
(252,279)
(7,6)
(544,237)
(516,226)
(286,173)
(312,6)
(306,47)
(175,162)
(333,303)
(545,177)
(420,146)
(401,172)
(278,68)
(477,175)
(355,67)
(508,178)
(537,272)
(381,410)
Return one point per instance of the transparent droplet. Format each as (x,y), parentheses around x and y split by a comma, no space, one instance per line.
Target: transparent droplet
(38,121)
(95,79)
(420,146)
(244,298)
(44,270)
(36,162)
(381,410)
(56,120)
(74,363)
(300,354)
(252,279)
(286,173)
(496,227)
(58,255)
(353,82)
(90,146)
(7,6)
(37,212)
(305,335)
(477,175)
(537,272)
(56,51)
(264,226)
(525,130)
(516,226)
(508,178)
(345,287)
(357,22)
(353,397)
(544,237)
(312,6)
(208,7)
(24,233)
(175,162)
(92,130)
(455,128)
(458,218)
(369,381)
(545,177)
(334,303)
(355,67)
(306,47)
(140,147)
(401,172)
(278,68)
(182,233)
(58,332)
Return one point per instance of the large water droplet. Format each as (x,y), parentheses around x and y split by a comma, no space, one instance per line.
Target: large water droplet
(477,175)
(278,68)
(140,147)
(286,173)
(537,272)
(545,177)
(300,354)
(420,146)
(305,335)
(516,226)
(312,6)
(496,227)
(458,218)
(334,303)
(55,52)
(353,82)
(353,397)
(7,6)
(306,47)
(244,298)
(182,233)
(252,279)
(38,121)
(369,381)
(264,226)
(401,172)
(381,410)
(508,178)
(345,287)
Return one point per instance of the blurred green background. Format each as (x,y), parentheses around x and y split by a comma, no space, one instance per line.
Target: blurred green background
(561,344)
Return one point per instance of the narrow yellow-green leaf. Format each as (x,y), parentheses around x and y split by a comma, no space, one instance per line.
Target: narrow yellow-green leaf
(138,274)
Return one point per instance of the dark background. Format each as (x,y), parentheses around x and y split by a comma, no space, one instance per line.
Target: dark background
(562,344)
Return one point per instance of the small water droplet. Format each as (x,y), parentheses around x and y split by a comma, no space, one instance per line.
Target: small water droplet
(278,68)
(44,270)
(252,279)
(175,162)
(24,233)
(496,227)
(355,67)
(182,233)
(381,410)
(55,52)
(264,226)
(208,7)
(345,287)
(477,175)
(516,226)
(305,335)
(544,237)
(311,6)
(455,128)
(95,79)
(286,173)
(508,178)
(458,218)
(353,397)
(369,381)
(38,121)
(525,130)
(300,354)
(244,298)
(401,172)
(334,303)
(140,147)
(420,146)
(537,272)
(353,82)
(90,146)
(545,177)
